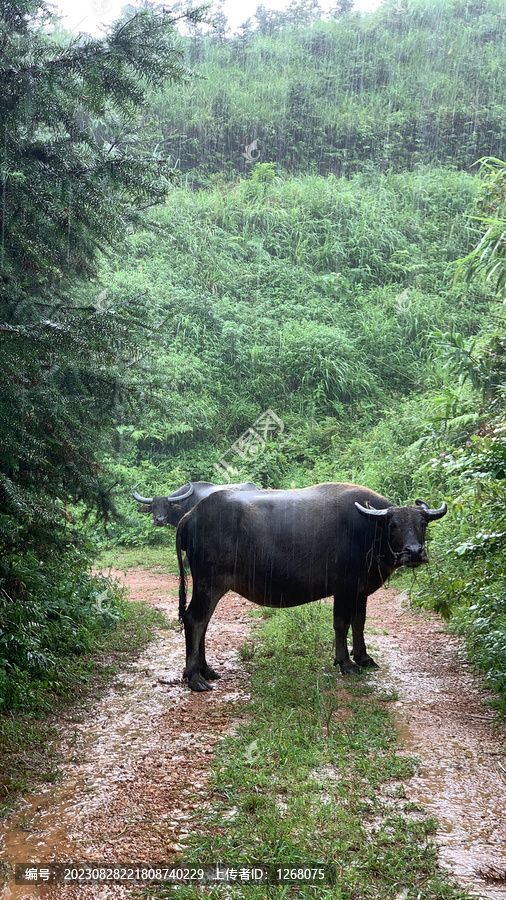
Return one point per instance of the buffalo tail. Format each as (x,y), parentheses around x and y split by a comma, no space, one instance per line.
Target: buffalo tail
(182,573)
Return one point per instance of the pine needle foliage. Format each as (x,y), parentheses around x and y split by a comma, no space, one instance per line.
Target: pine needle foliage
(67,141)
(73,179)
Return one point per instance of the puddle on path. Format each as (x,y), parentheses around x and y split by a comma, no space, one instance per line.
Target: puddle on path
(442,721)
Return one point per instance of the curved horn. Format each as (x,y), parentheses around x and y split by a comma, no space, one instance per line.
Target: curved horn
(140,499)
(175,499)
(432,514)
(371,512)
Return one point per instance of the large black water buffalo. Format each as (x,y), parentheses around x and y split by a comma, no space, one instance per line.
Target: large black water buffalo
(170,510)
(286,548)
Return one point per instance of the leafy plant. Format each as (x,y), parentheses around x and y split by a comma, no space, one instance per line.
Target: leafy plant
(488,258)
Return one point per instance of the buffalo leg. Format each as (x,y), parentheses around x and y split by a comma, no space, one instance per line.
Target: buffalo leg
(360,654)
(341,627)
(196,620)
(205,670)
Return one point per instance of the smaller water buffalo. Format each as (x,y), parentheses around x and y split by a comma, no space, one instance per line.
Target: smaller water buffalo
(287,548)
(170,510)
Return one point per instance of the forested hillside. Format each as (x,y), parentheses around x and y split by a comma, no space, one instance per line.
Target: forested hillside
(317,298)
(312,274)
(412,83)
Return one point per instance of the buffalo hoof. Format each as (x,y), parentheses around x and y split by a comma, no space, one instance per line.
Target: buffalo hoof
(367,662)
(197,683)
(209,674)
(348,667)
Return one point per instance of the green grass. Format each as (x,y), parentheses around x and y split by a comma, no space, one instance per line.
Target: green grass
(26,754)
(162,560)
(312,777)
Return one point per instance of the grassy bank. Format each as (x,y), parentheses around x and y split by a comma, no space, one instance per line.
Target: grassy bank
(312,777)
(158,559)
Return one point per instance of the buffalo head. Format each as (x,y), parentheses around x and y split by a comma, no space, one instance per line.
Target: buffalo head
(170,510)
(405,529)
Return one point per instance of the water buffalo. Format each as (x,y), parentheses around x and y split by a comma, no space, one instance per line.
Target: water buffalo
(286,548)
(170,510)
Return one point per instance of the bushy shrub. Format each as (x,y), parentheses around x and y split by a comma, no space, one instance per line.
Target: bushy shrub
(58,615)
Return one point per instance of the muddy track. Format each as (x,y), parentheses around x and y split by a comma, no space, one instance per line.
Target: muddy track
(136,767)
(443,721)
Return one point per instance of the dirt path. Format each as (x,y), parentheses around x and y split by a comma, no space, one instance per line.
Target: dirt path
(442,721)
(137,767)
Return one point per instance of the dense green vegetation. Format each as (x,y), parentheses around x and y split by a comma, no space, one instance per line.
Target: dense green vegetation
(360,344)
(316,280)
(470,578)
(317,298)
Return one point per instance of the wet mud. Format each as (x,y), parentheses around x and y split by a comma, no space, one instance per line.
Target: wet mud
(444,722)
(136,767)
